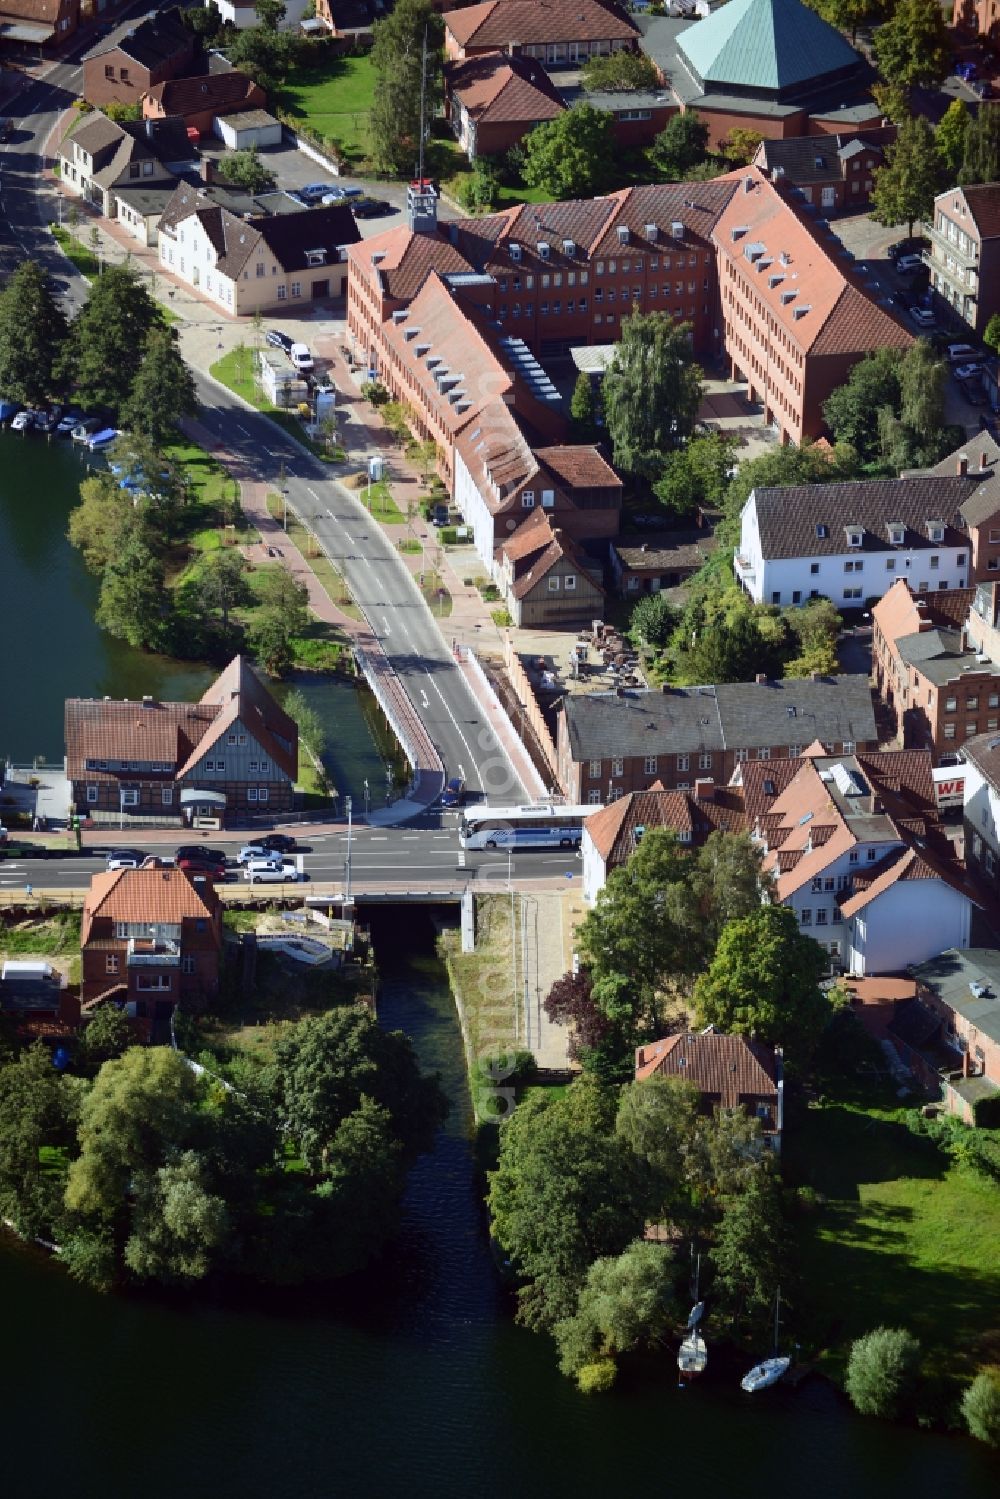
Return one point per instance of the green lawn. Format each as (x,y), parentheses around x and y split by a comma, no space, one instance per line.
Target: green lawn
(235,371)
(334,102)
(905,1237)
(80,254)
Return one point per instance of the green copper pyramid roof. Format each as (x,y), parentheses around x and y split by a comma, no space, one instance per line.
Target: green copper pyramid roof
(764,44)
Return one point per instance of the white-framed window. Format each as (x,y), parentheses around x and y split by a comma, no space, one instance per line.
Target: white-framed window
(253,766)
(230,738)
(742,756)
(528,499)
(153,981)
(111,962)
(251,793)
(763,754)
(553,585)
(649,765)
(121,930)
(296,288)
(617,767)
(282,292)
(187,964)
(569,582)
(167,796)
(130,798)
(594,770)
(848,747)
(683,762)
(871,854)
(821,916)
(265,767)
(593,798)
(262,793)
(704,762)
(806,916)
(92,793)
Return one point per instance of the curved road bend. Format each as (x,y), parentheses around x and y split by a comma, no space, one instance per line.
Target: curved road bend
(375,573)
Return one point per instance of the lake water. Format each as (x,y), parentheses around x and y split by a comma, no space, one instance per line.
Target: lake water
(411,1381)
(52,648)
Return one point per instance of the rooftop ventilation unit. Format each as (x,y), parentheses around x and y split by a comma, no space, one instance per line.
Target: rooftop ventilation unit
(754,250)
(748,184)
(785,258)
(399,316)
(410,333)
(421,349)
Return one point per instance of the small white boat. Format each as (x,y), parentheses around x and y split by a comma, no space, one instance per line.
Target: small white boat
(762,1375)
(696,1313)
(692,1356)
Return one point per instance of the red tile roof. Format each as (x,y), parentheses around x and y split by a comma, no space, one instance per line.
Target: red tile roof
(497,88)
(400,261)
(168,896)
(984,205)
(222,92)
(578,467)
(502,23)
(730,1069)
(692,817)
(910,864)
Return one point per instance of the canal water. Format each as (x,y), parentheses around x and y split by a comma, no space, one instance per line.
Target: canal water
(52,649)
(411,1381)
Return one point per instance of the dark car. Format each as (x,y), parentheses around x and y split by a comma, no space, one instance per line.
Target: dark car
(439,515)
(209,867)
(278,340)
(906,247)
(453,794)
(369,208)
(197,851)
(283,843)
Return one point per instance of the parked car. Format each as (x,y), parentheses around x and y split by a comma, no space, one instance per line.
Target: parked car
(961,353)
(313,191)
(258,853)
(923,317)
(453,794)
(207,867)
(279,340)
(199,851)
(911,246)
(965,71)
(23,422)
(908,265)
(439,515)
(259,872)
(967,371)
(86,428)
(300,356)
(332,195)
(370,208)
(125,858)
(283,842)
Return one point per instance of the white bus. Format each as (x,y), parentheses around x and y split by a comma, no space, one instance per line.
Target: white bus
(543,826)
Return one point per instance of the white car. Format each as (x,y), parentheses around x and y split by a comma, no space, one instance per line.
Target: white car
(961,354)
(923,317)
(968,371)
(257,853)
(300,356)
(908,265)
(261,872)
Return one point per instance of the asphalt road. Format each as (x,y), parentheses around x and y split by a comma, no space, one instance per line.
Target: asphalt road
(376,575)
(425,853)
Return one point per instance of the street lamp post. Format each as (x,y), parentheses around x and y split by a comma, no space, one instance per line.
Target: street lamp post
(388,785)
(367,796)
(347,869)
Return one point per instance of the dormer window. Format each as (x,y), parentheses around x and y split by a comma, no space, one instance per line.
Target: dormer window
(822,532)
(543,249)
(854,536)
(935,530)
(623,234)
(315,257)
(515,252)
(896,532)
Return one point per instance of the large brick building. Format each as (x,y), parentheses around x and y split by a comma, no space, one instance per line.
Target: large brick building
(159,48)
(234,750)
(561,32)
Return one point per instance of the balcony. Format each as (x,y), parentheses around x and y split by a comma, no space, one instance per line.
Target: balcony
(744,570)
(947,246)
(144,953)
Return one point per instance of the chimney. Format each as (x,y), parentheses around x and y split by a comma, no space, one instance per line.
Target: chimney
(704,789)
(962,466)
(207,169)
(761,678)
(983,461)
(965,1064)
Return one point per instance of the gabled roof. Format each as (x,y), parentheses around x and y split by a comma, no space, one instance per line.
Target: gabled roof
(497,88)
(502,23)
(984,205)
(169,896)
(984,753)
(767,45)
(217,91)
(662,551)
(812,520)
(153,42)
(578,466)
(981,455)
(95,135)
(238,693)
(613,829)
(730,1069)
(898,868)
(535,548)
(149,732)
(291,236)
(818,158)
(402,260)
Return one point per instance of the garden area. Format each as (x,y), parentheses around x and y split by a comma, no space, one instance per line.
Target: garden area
(911,1231)
(331,105)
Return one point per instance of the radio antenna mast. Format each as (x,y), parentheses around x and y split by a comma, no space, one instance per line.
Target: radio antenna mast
(423,105)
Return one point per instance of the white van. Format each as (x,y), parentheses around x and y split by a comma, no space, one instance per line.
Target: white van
(266,872)
(300,356)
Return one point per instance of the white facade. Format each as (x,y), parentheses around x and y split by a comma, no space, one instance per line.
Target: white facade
(240,16)
(815,904)
(594,868)
(192,256)
(849,577)
(982,819)
(910,922)
(240,134)
(475,512)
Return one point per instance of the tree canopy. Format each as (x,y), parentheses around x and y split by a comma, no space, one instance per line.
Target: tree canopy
(108,339)
(981,1407)
(571,156)
(162,389)
(911,46)
(626,1302)
(652,391)
(882,1371)
(950,137)
(696,474)
(619,72)
(33,331)
(397,49)
(245,169)
(981,162)
(906,184)
(681,145)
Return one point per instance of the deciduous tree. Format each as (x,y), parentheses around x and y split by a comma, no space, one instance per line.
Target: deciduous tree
(911,46)
(680,145)
(105,521)
(851,411)
(397,47)
(619,72)
(748,1251)
(132,603)
(991,337)
(572,155)
(178,1223)
(653,620)
(982,147)
(652,391)
(764,981)
(107,1035)
(108,339)
(223,582)
(657,1119)
(33,331)
(950,137)
(981,1407)
(697,474)
(625,1303)
(740,146)
(882,1371)
(905,186)
(245,169)
(583,409)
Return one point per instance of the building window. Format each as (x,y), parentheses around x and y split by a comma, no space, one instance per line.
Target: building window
(296,288)
(109,71)
(950,704)
(282,292)
(167,796)
(814,567)
(949,731)
(817,885)
(971,704)
(704,762)
(649,765)
(91,793)
(262,793)
(593,798)
(553,585)
(187,964)
(821,916)
(806,916)
(594,770)
(848,748)
(742,756)
(528,499)
(852,857)
(111,963)
(763,754)
(251,793)
(130,798)
(569,582)
(683,762)
(617,767)
(871,854)
(970,728)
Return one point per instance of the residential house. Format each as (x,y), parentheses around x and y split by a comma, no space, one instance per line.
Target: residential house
(836,172)
(961,987)
(35,1000)
(981,809)
(234,751)
(660,560)
(611,743)
(152,939)
(979,461)
(964,254)
(796,314)
(854,848)
(611,836)
(939,689)
(559,33)
(350,21)
(544,577)
(493,99)
(251,262)
(128,172)
(121,71)
(730,1072)
(36,26)
(200,100)
(849,542)
(773,66)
